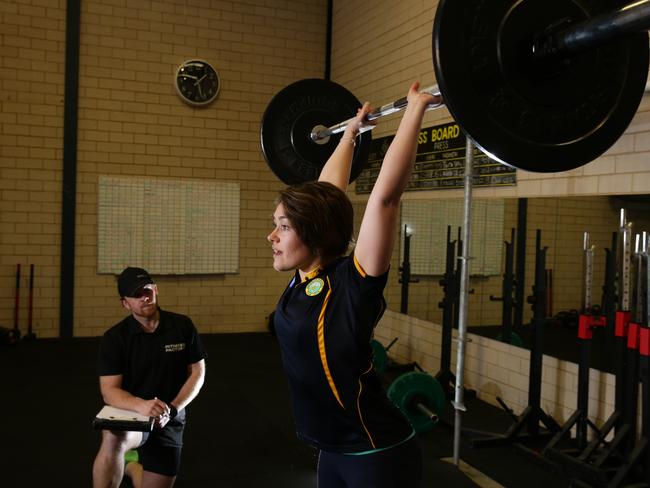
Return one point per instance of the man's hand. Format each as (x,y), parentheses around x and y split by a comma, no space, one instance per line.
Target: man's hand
(153,408)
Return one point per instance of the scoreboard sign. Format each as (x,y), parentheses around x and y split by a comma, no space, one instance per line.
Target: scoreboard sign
(439,163)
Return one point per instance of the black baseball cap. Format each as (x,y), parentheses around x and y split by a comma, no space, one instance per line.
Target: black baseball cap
(131,280)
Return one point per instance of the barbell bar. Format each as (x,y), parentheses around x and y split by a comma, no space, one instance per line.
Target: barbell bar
(539,85)
(320,133)
(594,32)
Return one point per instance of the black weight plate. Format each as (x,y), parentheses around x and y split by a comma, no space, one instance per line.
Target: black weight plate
(287,124)
(537,116)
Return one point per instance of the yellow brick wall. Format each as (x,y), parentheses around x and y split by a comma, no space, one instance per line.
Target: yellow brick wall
(132,123)
(32,43)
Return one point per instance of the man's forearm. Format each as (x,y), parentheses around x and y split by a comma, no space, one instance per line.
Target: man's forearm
(191,387)
(119,398)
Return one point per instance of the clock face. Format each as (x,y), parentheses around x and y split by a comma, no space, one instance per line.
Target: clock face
(197,82)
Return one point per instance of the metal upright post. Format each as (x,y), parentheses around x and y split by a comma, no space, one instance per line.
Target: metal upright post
(406,271)
(459,405)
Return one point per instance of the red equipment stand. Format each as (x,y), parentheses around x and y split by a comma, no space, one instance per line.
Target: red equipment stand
(580,418)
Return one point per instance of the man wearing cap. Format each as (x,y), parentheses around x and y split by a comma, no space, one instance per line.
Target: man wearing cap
(152,363)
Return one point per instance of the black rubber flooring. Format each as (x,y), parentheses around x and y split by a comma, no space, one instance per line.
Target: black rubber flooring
(240,432)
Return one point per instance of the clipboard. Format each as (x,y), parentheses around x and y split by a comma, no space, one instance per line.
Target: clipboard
(111,418)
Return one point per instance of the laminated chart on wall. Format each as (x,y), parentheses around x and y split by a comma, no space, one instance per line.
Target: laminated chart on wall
(168,226)
(439,163)
(428,221)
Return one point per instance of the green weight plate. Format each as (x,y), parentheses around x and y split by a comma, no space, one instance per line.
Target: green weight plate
(546,116)
(288,122)
(417,386)
(379,356)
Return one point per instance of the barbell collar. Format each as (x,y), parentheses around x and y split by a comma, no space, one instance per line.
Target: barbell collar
(594,32)
(319,134)
(459,406)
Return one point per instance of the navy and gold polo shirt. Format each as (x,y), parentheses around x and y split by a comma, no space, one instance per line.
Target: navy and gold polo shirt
(324,325)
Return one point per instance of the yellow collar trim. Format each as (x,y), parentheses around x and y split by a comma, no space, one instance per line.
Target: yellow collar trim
(312,274)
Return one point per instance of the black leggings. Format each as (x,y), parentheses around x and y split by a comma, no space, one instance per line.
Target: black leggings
(398,467)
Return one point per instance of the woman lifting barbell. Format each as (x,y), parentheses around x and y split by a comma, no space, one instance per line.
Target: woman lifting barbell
(325,318)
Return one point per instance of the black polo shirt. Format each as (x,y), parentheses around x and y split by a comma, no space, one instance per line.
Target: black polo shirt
(151,364)
(324,325)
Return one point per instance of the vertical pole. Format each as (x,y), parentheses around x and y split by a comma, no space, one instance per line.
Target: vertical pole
(69,183)
(584,339)
(406,272)
(17,303)
(507,290)
(459,405)
(520,273)
(328,41)
(30,333)
(623,293)
(536,347)
(447,306)
(31,300)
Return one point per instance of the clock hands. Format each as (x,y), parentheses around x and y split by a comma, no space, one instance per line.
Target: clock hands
(197,82)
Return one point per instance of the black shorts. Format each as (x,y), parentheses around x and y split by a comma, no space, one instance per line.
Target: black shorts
(160,450)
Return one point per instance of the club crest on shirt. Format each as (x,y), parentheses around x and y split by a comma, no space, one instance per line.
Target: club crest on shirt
(314,287)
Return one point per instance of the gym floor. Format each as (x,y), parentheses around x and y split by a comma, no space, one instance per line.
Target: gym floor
(240,432)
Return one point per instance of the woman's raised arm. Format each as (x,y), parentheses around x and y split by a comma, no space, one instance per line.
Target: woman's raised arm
(378,227)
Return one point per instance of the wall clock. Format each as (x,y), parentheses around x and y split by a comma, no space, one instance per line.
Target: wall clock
(197,82)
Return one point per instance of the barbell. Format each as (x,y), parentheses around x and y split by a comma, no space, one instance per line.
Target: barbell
(539,85)
(418,395)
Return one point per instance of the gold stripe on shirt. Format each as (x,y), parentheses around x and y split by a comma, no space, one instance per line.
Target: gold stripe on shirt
(359,268)
(372,442)
(321,345)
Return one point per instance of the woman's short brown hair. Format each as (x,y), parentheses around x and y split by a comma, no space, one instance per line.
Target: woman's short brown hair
(322,216)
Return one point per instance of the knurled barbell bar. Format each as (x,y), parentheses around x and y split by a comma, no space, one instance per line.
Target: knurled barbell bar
(321,134)
(540,85)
